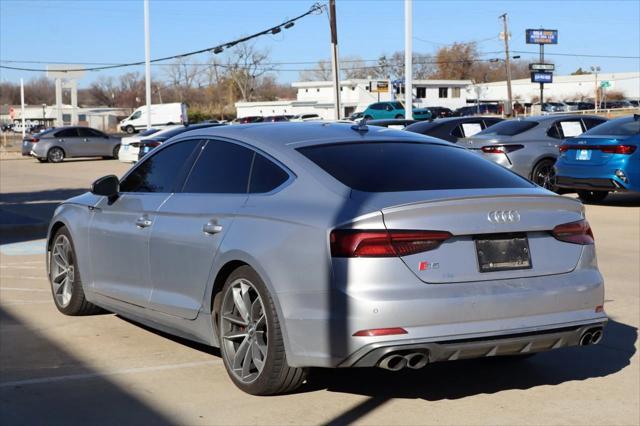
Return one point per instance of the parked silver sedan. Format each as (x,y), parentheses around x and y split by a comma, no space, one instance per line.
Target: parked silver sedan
(332,245)
(56,144)
(529,146)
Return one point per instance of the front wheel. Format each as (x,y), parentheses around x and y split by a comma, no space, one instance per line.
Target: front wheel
(130,130)
(64,277)
(116,152)
(544,175)
(251,340)
(592,197)
(399,116)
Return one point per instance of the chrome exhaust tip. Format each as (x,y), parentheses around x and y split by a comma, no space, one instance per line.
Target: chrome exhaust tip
(393,363)
(586,339)
(596,337)
(417,360)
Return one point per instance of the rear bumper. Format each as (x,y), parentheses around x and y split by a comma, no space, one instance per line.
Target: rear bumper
(520,343)
(593,184)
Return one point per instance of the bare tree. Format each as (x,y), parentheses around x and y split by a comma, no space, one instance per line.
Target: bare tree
(245,65)
(183,76)
(321,72)
(103,91)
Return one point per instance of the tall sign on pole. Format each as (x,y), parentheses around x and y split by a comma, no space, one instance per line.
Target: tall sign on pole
(147,62)
(541,37)
(334,58)
(408,59)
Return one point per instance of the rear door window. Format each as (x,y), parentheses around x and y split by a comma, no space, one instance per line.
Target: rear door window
(67,133)
(591,122)
(221,168)
(401,166)
(510,128)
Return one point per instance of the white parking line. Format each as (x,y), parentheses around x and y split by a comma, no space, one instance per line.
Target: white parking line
(18,267)
(23,302)
(23,289)
(55,379)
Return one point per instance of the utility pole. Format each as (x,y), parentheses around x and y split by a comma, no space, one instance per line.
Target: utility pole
(408,59)
(334,58)
(509,108)
(22,106)
(147,61)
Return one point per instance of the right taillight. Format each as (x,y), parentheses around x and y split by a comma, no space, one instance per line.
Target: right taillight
(618,149)
(574,232)
(381,243)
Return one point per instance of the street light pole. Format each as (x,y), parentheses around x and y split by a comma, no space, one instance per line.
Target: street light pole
(509,108)
(147,61)
(22,106)
(595,71)
(408,59)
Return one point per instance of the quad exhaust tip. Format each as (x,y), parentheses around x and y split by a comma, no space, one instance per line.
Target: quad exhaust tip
(396,362)
(592,336)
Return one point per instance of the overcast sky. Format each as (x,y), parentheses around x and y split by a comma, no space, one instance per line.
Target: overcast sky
(112,31)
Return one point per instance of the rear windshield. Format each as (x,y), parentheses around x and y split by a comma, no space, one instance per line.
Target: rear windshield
(622,127)
(404,166)
(509,128)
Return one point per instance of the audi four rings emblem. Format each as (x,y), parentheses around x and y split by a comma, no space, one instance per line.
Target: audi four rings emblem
(504,216)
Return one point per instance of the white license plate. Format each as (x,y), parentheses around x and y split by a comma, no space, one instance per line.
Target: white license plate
(583,154)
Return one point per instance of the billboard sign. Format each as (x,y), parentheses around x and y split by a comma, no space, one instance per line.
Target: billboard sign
(541,77)
(381,86)
(542,67)
(542,36)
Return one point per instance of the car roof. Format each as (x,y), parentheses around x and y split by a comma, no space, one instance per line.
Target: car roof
(550,117)
(281,137)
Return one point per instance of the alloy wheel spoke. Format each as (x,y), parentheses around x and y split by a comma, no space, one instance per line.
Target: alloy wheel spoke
(246,362)
(241,352)
(239,302)
(234,320)
(235,336)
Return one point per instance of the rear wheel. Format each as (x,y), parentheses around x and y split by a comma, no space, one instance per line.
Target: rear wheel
(544,174)
(400,116)
(116,152)
(251,340)
(55,155)
(42,160)
(64,277)
(593,196)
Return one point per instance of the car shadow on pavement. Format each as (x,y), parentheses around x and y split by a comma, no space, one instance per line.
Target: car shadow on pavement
(460,379)
(621,199)
(42,383)
(25,216)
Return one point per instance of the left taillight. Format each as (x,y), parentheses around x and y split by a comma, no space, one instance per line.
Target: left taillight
(380,243)
(574,232)
(33,139)
(500,149)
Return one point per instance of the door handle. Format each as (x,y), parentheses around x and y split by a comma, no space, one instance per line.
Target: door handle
(143,222)
(85,140)
(211,227)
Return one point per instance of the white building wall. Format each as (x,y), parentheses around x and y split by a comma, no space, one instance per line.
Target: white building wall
(568,87)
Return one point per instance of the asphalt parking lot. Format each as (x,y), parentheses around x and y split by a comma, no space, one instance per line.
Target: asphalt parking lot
(106,370)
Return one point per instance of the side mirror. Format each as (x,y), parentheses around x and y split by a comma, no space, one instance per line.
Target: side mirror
(108,186)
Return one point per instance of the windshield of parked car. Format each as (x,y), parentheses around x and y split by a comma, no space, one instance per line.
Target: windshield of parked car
(395,166)
(397,105)
(627,126)
(509,128)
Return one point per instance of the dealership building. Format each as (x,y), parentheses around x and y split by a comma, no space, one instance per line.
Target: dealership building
(316,97)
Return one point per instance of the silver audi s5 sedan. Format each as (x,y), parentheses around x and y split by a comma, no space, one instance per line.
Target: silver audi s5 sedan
(296,245)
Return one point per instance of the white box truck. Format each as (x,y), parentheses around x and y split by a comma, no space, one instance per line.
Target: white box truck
(161,115)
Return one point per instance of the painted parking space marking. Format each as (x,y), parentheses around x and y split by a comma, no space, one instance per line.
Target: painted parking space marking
(23,249)
(55,379)
(23,289)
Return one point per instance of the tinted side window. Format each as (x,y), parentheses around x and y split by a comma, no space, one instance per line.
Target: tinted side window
(89,133)
(592,122)
(377,106)
(402,166)
(67,133)
(265,175)
(457,132)
(221,168)
(159,171)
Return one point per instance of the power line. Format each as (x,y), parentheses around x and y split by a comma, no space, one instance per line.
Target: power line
(579,55)
(315,9)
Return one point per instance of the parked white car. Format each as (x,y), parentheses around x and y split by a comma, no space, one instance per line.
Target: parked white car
(306,117)
(130,146)
(161,115)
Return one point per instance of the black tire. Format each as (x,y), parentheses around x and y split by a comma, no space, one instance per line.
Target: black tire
(592,197)
(77,305)
(399,116)
(130,130)
(42,160)
(276,376)
(544,174)
(368,117)
(116,152)
(55,155)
